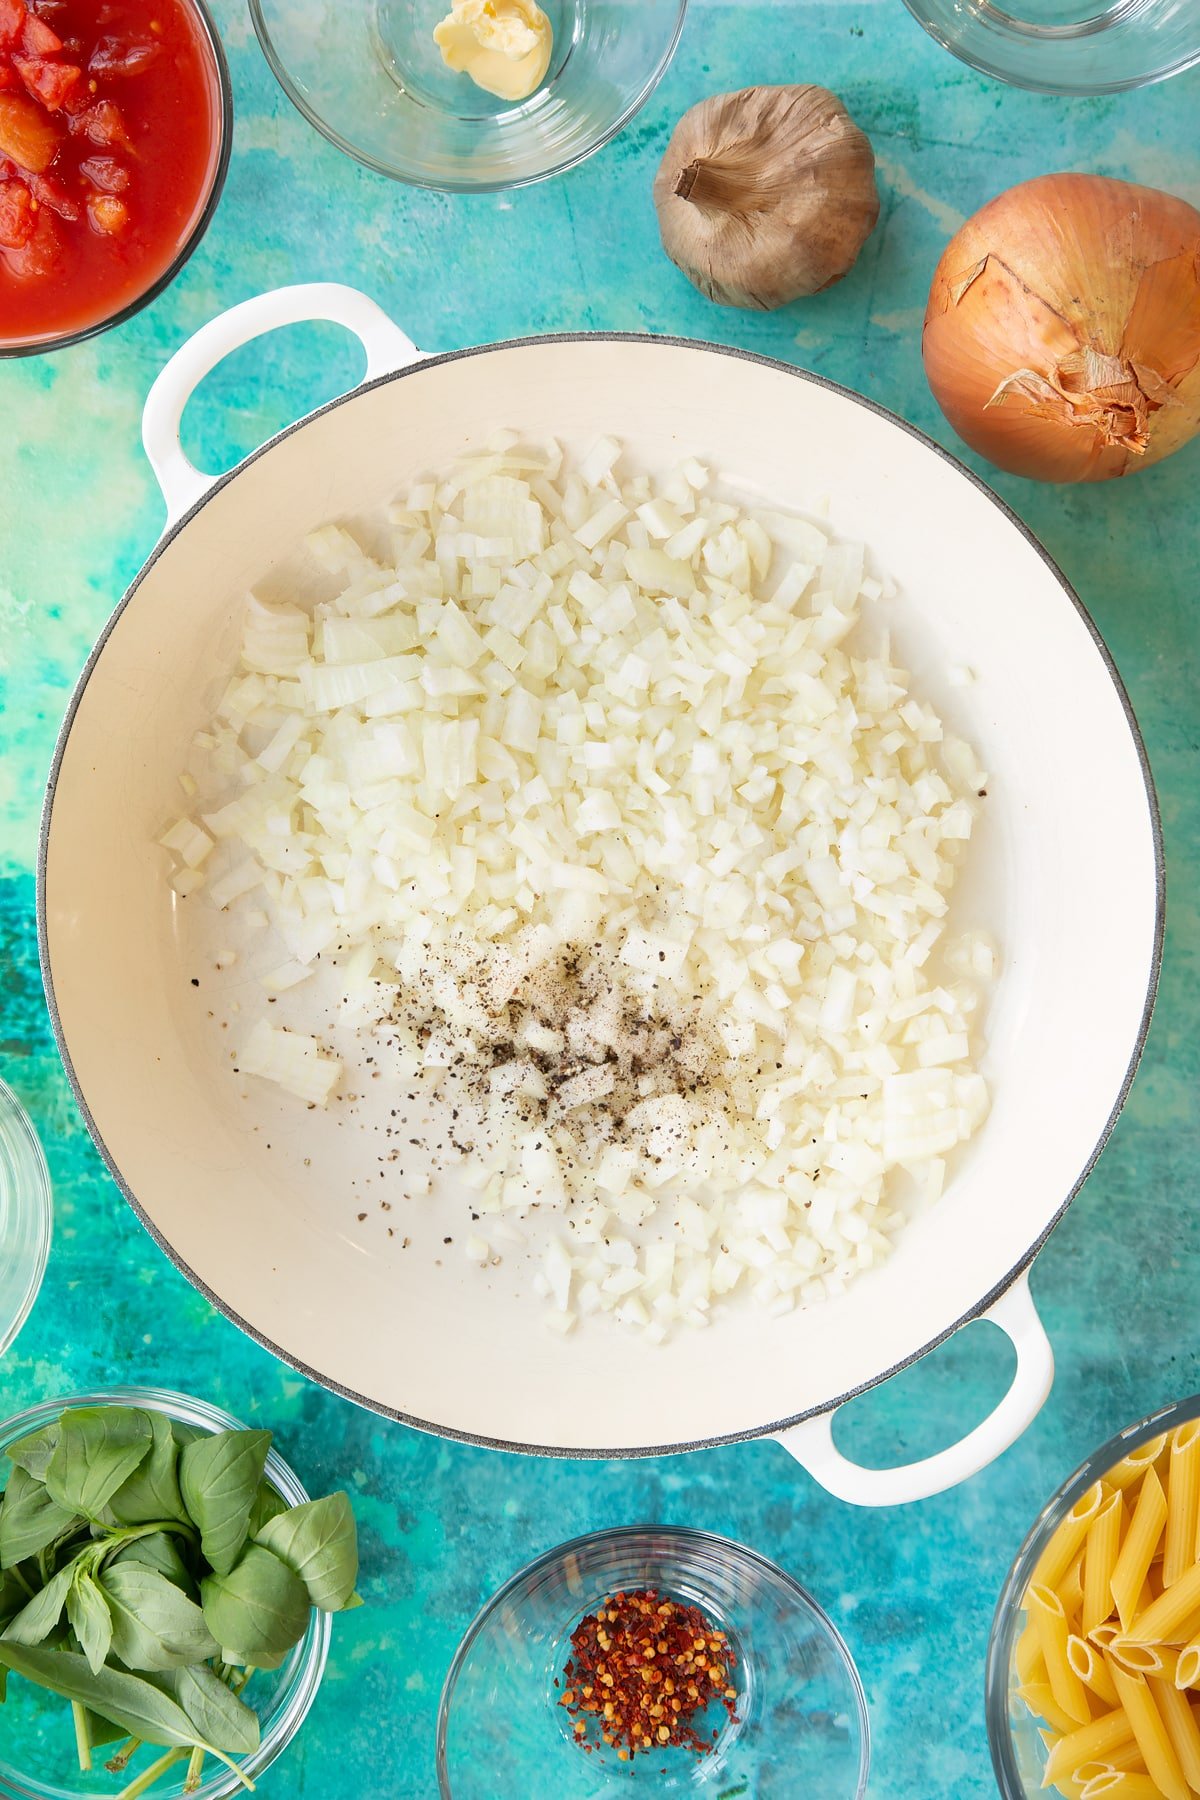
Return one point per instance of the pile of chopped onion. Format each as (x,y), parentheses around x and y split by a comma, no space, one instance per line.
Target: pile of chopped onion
(579,714)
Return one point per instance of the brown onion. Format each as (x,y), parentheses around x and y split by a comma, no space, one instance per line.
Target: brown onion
(1062,336)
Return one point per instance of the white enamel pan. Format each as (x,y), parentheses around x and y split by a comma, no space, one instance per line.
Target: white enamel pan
(256,1199)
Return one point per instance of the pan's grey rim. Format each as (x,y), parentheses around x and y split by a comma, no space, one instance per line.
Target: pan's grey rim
(754,1431)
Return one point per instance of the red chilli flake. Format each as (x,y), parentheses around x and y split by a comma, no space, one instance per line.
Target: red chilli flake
(644,1669)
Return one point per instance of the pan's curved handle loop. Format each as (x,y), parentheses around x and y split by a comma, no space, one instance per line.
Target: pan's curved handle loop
(386,346)
(811,1442)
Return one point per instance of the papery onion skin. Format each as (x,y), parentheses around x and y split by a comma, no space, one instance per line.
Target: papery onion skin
(1062,335)
(766,195)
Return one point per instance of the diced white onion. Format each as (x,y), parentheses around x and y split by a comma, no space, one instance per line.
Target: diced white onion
(581,708)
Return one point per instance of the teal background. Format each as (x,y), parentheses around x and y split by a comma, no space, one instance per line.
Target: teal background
(442,1525)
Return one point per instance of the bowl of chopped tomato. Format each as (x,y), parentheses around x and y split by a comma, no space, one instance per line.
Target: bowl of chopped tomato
(115,127)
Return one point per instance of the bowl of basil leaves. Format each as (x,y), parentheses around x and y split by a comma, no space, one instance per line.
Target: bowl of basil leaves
(166,1591)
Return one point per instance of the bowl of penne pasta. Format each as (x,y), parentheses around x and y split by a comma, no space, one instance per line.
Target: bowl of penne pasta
(1093,1678)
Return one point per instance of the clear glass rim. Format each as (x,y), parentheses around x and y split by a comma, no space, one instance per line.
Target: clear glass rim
(65,340)
(300,1678)
(976,57)
(1008,1606)
(32,1198)
(705,1543)
(447,185)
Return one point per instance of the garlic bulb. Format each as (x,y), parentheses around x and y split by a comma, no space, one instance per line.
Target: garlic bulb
(766,194)
(1062,337)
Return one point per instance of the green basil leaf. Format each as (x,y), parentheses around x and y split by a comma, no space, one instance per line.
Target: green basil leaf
(140,1709)
(219,1478)
(220,1717)
(102,1730)
(38,1617)
(154,1626)
(29,1519)
(90,1618)
(158,1550)
(152,1491)
(268,1504)
(266,1660)
(319,1543)
(13,1595)
(259,1609)
(99,1447)
(33,1453)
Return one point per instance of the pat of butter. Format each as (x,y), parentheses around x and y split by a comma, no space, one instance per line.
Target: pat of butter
(503,45)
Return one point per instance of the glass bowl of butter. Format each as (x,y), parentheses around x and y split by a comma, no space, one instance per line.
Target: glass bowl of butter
(469,95)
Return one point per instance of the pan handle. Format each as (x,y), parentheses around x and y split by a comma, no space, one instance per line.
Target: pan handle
(811,1442)
(386,346)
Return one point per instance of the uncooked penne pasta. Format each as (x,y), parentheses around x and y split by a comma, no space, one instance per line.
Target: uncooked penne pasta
(1183,1502)
(1120,1784)
(1133,1467)
(1112,1629)
(1189,1631)
(1027,1654)
(1039,1698)
(1070,1589)
(1100,1559)
(1141,1541)
(1173,1609)
(1068,1540)
(1187,1667)
(1125,1756)
(1182,1728)
(1144,1659)
(1150,1733)
(1046,1609)
(1091,1743)
(1066,1785)
(1091,1669)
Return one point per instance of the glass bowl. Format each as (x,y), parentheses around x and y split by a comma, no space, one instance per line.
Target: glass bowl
(801,1725)
(207,206)
(1018,1755)
(372,79)
(1067,46)
(26,1213)
(37,1752)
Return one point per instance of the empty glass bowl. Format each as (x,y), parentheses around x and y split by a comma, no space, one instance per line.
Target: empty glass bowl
(25,1216)
(1067,46)
(801,1718)
(1018,1754)
(37,1746)
(372,79)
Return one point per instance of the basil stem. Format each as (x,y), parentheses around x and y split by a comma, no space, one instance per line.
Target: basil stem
(83,1742)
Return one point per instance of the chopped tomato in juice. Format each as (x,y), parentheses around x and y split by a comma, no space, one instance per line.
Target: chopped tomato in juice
(27,136)
(52,83)
(16,215)
(37,38)
(109,145)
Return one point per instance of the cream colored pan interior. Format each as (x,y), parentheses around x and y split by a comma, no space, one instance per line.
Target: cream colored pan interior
(258,1199)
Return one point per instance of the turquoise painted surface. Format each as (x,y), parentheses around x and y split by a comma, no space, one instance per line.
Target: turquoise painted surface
(443,1525)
